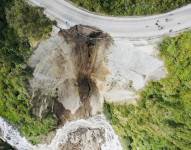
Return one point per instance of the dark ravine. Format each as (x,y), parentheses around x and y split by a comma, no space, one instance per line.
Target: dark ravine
(5,146)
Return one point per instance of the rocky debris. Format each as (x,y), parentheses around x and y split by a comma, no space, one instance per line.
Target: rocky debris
(84,139)
(132,64)
(94,133)
(68,74)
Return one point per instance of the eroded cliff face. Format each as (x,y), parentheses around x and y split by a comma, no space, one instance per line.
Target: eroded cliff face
(68,75)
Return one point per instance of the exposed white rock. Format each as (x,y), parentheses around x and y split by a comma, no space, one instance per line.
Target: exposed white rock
(50,74)
(11,135)
(132,64)
(90,139)
(91,134)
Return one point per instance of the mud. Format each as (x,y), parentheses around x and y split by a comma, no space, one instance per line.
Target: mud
(75,66)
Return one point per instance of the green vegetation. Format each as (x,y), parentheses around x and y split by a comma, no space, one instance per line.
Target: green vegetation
(19,24)
(28,21)
(162,118)
(130,7)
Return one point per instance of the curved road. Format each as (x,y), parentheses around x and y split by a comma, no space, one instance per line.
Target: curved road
(131,27)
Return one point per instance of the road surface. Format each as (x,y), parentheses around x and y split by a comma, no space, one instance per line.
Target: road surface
(67,14)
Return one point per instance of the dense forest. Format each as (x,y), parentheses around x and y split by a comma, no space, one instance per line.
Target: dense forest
(130,7)
(162,118)
(21,25)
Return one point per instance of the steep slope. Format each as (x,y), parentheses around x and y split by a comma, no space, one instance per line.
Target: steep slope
(65,75)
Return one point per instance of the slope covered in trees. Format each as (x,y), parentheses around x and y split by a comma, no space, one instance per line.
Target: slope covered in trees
(20,25)
(28,21)
(162,118)
(130,7)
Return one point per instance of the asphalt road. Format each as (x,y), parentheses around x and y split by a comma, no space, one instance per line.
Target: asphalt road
(154,26)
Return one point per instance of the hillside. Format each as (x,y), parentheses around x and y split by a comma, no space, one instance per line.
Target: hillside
(21,26)
(130,7)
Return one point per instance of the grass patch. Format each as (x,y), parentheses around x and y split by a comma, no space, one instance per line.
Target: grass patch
(162,118)
(130,7)
(20,24)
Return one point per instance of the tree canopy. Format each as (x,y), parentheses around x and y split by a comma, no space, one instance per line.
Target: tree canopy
(130,7)
(28,21)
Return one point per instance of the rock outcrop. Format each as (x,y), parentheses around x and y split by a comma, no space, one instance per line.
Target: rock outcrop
(69,74)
